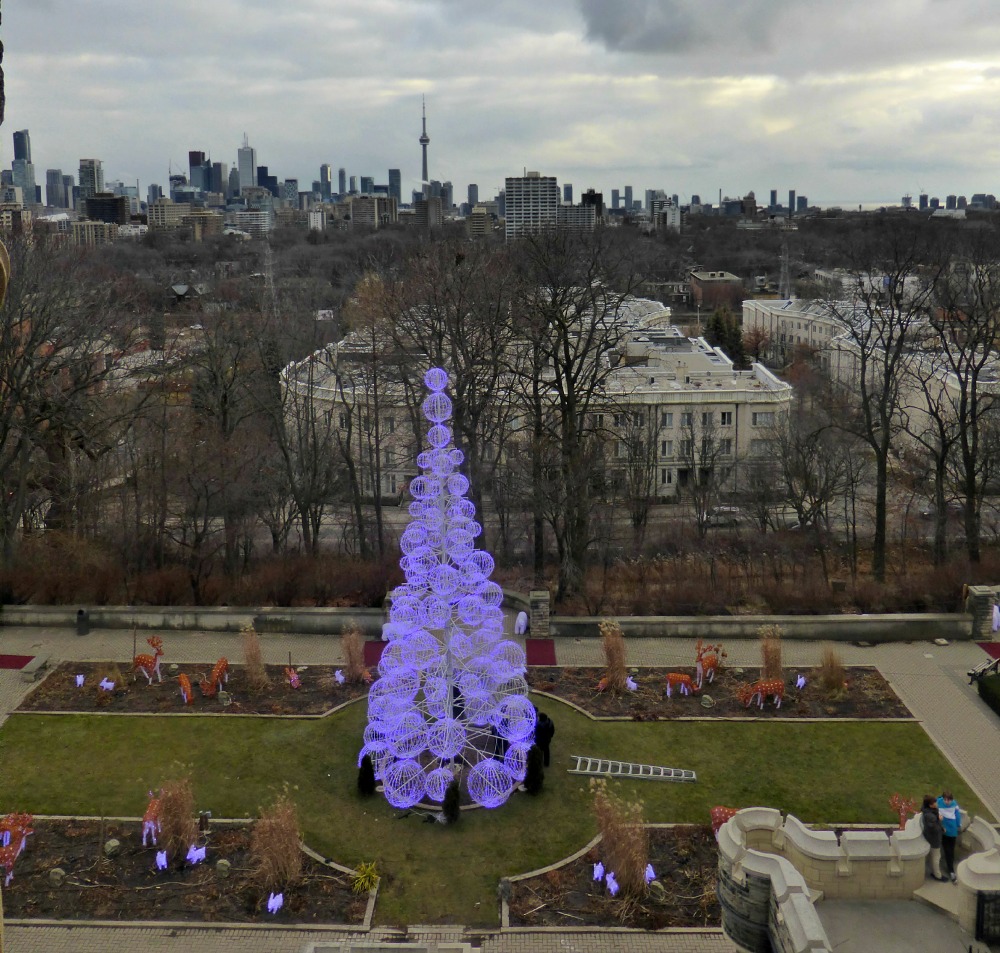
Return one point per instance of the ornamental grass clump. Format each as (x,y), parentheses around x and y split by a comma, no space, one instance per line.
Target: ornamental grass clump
(253,661)
(352,644)
(178,823)
(831,674)
(613,645)
(624,839)
(770,651)
(365,878)
(275,851)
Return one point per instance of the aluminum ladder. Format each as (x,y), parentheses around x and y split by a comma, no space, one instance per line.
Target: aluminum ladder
(602,767)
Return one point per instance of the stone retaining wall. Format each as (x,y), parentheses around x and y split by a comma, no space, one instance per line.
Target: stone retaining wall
(772,870)
(827,628)
(889,627)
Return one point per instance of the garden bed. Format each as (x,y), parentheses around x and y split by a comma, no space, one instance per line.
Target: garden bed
(685,860)
(129,887)
(318,692)
(868,695)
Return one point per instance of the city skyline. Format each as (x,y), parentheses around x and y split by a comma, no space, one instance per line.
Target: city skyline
(650,93)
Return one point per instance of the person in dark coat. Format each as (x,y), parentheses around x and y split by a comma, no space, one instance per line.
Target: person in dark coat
(930,822)
(544,730)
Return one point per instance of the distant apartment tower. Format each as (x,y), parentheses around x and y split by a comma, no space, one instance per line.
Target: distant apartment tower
(616,199)
(923,201)
(246,162)
(342,181)
(22,145)
(791,201)
(290,192)
(568,192)
(396,186)
(532,204)
(55,189)
(628,198)
(354,185)
(218,179)
(774,200)
(367,185)
(72,191)
(325,182)
(596,201)
(802,203)
(91,179)
(196,170)
(473,195)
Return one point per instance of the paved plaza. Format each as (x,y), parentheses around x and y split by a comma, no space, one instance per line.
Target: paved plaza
(930,679)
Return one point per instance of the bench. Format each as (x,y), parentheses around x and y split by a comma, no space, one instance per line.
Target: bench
(31,671)
(989,667)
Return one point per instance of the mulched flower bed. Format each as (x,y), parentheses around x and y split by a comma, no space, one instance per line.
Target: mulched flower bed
(868,695)
(128,886)
(319,691)
(684,859)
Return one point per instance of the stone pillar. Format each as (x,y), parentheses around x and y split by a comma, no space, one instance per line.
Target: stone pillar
(538,600)
(980,606)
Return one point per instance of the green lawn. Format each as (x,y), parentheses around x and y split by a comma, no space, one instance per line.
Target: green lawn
(822,772)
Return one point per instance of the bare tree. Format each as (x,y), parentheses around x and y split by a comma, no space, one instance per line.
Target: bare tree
(64,328)
(569,319)
(705,463)
(894,274)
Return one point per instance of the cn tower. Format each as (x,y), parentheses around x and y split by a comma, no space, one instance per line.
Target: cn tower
(424,139)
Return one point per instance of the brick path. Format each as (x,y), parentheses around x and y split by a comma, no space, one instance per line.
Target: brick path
(930,679)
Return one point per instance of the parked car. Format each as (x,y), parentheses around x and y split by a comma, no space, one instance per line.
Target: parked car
(724,516)
(953,508)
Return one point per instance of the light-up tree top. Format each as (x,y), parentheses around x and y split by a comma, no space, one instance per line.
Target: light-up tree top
(451,698)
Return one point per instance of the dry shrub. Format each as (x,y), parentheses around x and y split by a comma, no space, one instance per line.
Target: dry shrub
(770,651)
(831,674)
(275,853)
(613,645)
(253,659)
(178,824)
(352,644)
(624,838)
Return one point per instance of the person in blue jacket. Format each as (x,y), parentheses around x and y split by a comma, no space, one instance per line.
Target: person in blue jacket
(951,821)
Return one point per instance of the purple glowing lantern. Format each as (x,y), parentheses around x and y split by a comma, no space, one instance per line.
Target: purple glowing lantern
(451,700)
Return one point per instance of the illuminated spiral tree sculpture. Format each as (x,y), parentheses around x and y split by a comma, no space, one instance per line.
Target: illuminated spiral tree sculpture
(451,698)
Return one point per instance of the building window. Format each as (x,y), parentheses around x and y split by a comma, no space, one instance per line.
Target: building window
(726,418)
(666,448)
(342,421)
(725,446)
(390,424)
(619,420)
(666,476)
(388,458)
(619,449)
(763,418)
(687,418)
(758,448)
(666,419)
(706,418)
(685,448)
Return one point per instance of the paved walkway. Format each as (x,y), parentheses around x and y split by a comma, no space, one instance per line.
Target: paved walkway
(930,679)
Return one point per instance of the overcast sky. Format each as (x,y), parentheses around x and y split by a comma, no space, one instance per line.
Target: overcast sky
(843,100)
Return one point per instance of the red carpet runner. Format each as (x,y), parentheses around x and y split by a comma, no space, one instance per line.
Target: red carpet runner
(992,649)
(540,651)
(373,653)
(14,661)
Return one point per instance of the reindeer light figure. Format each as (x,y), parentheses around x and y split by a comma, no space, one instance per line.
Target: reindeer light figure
(683,682)
(760,690)
(218,678)
(151,819)
(707,660)
(293,677)
(14,831)
(149,665)
(185,684)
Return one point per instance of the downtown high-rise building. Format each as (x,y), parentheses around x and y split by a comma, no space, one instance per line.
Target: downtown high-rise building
(568,192)
(23,172)
(246,162)
(197,175)
(396,186)
(91,178)
(325,181)
(55,189)
(342,181)
(473,195)
(532,204)
(628,198)
(367,185)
